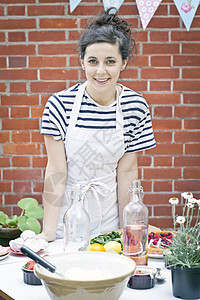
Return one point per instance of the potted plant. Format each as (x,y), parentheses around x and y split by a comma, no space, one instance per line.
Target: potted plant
(11,228)
(183,258)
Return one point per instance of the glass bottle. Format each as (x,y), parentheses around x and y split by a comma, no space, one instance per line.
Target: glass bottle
(135,226)
(76,223)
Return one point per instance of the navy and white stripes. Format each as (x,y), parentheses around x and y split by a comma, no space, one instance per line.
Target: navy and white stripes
(138,132)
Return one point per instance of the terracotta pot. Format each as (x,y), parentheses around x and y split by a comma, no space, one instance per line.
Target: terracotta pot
(8,234)
(186,282)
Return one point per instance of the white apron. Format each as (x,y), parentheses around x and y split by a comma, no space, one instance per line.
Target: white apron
(92,158)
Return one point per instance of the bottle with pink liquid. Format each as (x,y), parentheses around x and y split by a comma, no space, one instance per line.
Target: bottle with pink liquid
(135,226)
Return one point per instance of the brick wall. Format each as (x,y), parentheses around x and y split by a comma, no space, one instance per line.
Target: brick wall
(38,42)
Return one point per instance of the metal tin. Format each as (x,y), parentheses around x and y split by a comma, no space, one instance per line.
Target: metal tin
(30,277)
(145,280)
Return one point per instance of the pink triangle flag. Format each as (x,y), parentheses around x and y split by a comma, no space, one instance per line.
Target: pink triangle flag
(146,10)
(187,10)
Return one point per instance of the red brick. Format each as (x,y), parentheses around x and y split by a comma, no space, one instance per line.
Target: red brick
(163,111)
(39,162)
(21,136)
(21,161)
(19,112)
(191,173)
(186,161)
(16,36)
(163,136)
(73,61)
(74,35)
(58,23)
(2,12)
(166,124)
(192,149)
(17,74)
(166,149)
(167,98)
(161,61)
(20,124)
(162,186)
(163,223)
(38,187)
(140,36)
(4,137)
(184,85)
(47,86)
(4,112)
(162,161)
(2,87)
(158,198)
(22,174)
(18,87)
(28,100)
(38,62)
(191,73)
(191,98)
(187,185)
(17,62)
(147,185)
(36,112)
(164,210)
(160,48)
(190,48)
(6,210)
(2,37)
(19,149)
(159,36)
(17,23)
(57,49)
(46,36)
(86,10)
(22,187)
(144,160)
(4,162)
(37,137)
(191,35)
(16,10)
(58,74)
(186,60)
(139,61)
(3,62)
(155,73)
(5,187)
(187,112)
(164,22)
(129,73)
(192,124)
(162,173)
(160,85)
(42,10)
(187,136)
(17,50)
(138,85)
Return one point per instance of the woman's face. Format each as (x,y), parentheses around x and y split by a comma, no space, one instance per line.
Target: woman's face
(102,64)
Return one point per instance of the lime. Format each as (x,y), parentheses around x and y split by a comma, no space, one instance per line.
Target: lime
(113,245)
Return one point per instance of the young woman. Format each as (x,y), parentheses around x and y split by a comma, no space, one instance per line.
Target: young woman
(93,132)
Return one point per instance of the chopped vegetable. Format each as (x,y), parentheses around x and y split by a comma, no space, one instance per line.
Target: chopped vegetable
(107,237)
(29,265)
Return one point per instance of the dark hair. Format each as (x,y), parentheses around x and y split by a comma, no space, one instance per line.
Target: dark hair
(107,27)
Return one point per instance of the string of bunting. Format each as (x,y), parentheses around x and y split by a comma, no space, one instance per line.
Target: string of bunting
(147,8)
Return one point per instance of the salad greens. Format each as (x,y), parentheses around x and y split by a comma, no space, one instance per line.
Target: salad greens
(107,237)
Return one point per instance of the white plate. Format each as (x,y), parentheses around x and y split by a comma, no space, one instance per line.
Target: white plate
(155,255)
(4,256)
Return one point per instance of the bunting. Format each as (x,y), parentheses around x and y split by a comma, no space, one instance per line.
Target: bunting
(147,8)
(187,10)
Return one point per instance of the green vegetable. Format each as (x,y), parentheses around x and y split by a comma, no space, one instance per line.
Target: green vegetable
(107,237)
(31,211)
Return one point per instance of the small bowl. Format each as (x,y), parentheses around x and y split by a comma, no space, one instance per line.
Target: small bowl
(30,277)
(145,280)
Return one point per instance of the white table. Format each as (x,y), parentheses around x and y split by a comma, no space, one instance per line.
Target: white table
(12,285)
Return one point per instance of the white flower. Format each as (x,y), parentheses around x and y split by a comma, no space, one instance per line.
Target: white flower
(198,202)
(173,200)
(190,205)
(192,200)
(187,195)
(180,219)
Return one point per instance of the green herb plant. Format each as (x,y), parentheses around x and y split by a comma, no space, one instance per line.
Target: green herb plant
(185,248)
(31,211)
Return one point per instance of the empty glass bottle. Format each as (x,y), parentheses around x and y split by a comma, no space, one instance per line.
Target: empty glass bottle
(76,223)
(135,226)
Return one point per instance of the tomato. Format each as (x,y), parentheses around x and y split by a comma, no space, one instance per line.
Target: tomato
(29,265)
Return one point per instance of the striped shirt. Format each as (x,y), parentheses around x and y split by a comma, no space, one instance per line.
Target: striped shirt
(138,132)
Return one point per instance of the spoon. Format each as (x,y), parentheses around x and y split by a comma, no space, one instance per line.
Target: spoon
(158,276)
(41,261)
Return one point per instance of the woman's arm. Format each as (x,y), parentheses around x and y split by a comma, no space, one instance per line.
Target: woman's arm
(54,186)
(126,172)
